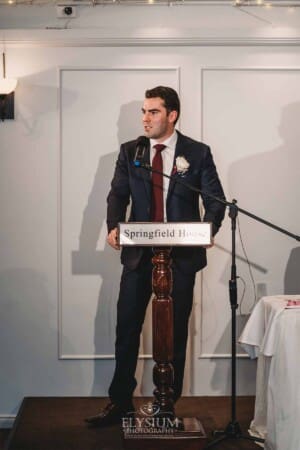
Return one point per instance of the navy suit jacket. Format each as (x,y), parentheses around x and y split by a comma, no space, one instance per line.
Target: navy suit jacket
(182,204)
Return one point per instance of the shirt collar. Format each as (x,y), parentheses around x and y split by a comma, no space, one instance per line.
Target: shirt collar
(169,142)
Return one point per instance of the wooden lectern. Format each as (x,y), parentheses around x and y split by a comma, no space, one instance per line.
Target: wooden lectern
(159,428)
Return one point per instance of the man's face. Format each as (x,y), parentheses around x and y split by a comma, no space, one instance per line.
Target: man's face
(158,123)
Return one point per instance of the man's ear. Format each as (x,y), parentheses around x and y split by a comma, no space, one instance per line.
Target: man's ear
(172,116)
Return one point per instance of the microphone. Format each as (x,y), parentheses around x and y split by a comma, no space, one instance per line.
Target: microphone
(141,145)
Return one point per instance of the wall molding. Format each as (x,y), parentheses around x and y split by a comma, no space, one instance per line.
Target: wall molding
(60,71)
(154,41)
(98,356)
(222,356)
(204,70)
(7,420)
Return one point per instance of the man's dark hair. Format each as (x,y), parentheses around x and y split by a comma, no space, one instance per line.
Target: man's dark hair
(168,95)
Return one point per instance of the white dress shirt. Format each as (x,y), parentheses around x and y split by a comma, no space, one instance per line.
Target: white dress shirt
(168,160)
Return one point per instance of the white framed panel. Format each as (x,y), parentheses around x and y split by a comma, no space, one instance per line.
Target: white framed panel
(249,117)
(99,109)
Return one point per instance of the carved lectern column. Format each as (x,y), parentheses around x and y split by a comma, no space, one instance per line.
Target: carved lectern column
(162,321)
(156,426)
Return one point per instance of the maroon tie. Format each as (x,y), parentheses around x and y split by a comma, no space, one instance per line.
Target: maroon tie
(157,214)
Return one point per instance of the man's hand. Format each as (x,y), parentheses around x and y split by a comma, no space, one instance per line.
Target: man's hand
(113,239)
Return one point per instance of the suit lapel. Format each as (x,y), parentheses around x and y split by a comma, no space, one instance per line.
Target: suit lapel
(179,151)
(146,174)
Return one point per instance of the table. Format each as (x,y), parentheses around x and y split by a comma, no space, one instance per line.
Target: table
(272,334)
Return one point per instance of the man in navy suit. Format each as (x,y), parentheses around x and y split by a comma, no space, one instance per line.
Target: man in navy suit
(160,112)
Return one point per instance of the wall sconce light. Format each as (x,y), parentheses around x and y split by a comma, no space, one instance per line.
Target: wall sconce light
(7,87)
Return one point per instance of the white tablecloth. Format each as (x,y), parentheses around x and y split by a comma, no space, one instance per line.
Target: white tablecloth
(272,334)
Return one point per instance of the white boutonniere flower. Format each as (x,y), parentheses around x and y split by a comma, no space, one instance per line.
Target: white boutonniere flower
(182,165)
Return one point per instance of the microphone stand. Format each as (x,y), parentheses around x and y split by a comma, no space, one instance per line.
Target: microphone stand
(233,429)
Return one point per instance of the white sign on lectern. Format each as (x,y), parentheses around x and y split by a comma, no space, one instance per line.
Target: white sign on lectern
(165,234)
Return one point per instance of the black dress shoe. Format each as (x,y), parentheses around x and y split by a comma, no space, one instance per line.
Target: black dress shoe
(110,415)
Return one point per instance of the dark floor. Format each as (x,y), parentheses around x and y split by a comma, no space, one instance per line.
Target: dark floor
(57,423)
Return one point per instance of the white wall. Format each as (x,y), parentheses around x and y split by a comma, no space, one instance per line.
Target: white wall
(78,97)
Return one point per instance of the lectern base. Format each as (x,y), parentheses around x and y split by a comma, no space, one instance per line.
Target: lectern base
(189,436)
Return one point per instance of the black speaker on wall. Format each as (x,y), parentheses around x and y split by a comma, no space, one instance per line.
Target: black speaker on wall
(7,108)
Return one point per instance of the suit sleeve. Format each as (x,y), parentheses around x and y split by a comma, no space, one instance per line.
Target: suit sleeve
(210,183)
(119,195)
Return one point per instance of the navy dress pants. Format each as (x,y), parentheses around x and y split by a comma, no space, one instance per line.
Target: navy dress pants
(134,296)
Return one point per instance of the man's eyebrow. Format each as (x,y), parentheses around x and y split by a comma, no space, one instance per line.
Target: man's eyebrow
(151,110)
